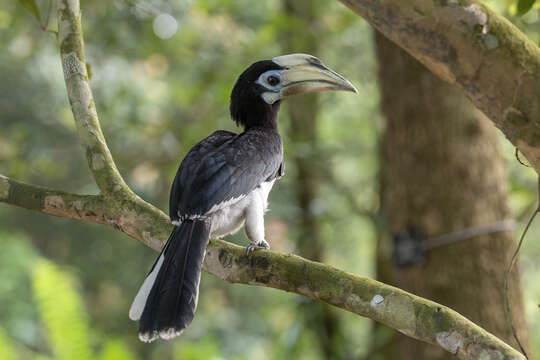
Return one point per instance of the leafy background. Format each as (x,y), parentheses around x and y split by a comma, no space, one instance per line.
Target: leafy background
(66,286)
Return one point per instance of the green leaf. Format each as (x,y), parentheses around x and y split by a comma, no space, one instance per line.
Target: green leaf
(524,6)
(31,6)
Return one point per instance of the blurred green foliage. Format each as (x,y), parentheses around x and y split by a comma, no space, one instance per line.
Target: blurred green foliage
(156,98)
(7,352)
(523,6)
(61,311)
(61,320)
(31,6)
(115,350)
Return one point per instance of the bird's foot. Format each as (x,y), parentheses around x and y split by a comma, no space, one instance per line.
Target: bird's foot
(257,245)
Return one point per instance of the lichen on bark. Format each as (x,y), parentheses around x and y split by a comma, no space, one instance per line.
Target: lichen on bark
(82,103)
(467,44)
(4,188)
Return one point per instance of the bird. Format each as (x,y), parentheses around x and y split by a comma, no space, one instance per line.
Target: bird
(223,184)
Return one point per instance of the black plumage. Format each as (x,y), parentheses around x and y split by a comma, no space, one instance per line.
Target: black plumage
(173,299)
(247,108)
(222,183)
(222,167)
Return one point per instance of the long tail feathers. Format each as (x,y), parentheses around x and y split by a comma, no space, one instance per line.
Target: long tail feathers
(166,301)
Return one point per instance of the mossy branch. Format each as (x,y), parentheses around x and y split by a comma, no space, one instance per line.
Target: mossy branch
(469,45)
(81,99)
(52,202)
(412,315)
(119,208)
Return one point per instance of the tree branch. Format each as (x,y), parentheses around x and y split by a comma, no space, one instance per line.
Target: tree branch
(118,207)
(469,45)
(81,99)
(52,202)
(412,315)
(128,213)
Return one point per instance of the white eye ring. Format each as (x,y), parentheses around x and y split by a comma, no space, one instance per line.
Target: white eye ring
(270,79)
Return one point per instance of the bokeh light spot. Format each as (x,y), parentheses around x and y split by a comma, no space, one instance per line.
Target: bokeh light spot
(165,26)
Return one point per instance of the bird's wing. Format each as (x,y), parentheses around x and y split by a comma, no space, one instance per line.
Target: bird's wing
(190,164)
(226,173)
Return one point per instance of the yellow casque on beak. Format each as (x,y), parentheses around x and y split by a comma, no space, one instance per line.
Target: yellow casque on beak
(305,73)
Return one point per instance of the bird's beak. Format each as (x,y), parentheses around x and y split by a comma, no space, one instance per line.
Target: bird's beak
(305,73)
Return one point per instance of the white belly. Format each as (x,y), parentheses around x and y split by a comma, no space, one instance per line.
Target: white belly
(230,217)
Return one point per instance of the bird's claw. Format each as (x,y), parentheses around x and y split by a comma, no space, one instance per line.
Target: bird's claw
(254,246)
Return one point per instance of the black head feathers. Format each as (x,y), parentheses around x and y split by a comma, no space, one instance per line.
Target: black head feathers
(257,94)
(247,107)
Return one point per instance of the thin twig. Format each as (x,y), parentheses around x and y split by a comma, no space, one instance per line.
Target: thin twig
(507,309)
(348,194)
(45,25)
(142,9)
(519,159)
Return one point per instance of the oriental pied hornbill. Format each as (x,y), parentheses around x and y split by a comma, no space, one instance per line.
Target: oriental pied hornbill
(222,184)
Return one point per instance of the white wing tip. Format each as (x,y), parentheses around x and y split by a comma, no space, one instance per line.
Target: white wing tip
(165,334)
(148,337)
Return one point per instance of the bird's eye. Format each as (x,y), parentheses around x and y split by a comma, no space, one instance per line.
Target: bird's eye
(273,80)
(270,80)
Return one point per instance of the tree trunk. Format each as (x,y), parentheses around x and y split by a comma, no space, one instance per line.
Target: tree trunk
(302,36)
(440,173)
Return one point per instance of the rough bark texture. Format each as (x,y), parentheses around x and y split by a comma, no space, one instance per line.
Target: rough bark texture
(410,314)
(81,99)
(302,35)
(467,44)
(441,173)
(124,211)
(113,190)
